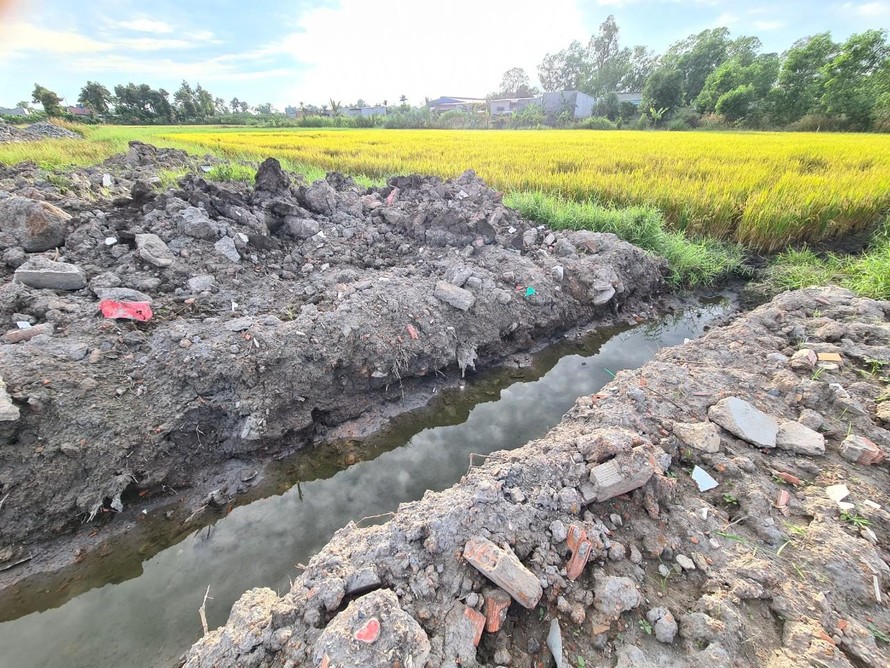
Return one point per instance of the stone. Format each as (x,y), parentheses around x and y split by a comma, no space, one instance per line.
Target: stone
(564,248)
(34,226)
(194,222)
(530,237)
(463,631)
(699,627)
(496,606)
(860,450)
(202,283)
(372,626)
(122,295)
(799,439)
(558,272)
(226,247)
(362,581)
(810,418)
(302,228)
(9,412)
(615,594)
(454,296)
(803,360)
(631,656)
(742,419)
(107,180)
(504,569)
(685,562)
(153,250)
(43,273)
(663,624)
(577,562)
(624,473)
(270,178)
(882,412)
(704,436)
(558,532)
(19,335)
(830,358)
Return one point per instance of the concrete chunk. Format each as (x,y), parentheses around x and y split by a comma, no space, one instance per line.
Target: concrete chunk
(152,249)
(742,419)
(42,273)
(625,473)
(860,450)
(9,412)
(455,296)
(504,569)
(704,436)
(800,439)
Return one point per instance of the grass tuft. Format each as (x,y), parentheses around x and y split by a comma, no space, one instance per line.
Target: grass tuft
(693,263)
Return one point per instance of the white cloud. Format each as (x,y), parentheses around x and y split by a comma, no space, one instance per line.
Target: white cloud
(387,48)
(871,10)
(767,24)
(20,36)
(143,24)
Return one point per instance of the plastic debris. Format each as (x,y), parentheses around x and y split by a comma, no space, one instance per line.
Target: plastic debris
(554,642)
(530,291)
(703,479)
(126,310)
(837,493)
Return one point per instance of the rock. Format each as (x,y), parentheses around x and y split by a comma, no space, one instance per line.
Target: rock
(860,450)
(704,436)
(371,627)
(302,228)
(564,248)
(631,656)
(810,418)
(153,250)
(202,283)
(663,624)
(226,247)
(558,531)
(40,272)
(624,473)
(35,226)
(799,439)
(685,562)
(742,419)
(122,295)
(194,222)
(558,272)
(270,178)
(361,581)
(497,604)
(504,569)
(9,412)
(455,296)
(463,631)
(320,197)
(530,237)
(803,360)
(614,594)
(699,627)
(107,180)
(882,412)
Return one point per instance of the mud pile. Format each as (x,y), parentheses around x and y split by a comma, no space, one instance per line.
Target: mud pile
(266,314)
(601,546)
(34,132)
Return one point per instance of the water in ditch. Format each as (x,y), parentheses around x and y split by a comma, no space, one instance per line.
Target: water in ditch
(141,611)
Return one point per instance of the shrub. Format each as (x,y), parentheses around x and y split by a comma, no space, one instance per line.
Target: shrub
(597,123)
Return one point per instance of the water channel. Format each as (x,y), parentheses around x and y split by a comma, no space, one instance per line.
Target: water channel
(138,611)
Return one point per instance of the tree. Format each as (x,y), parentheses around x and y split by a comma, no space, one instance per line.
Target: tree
(802,77)
(244,106)
(663,89)
(403,99)
(736,104)
(219,106)
(204,105)
(184,102)
(335,107)
(141,103)
(51,101)
(515,83)
(235,104)
(265,109)
(95,96)
(757,78)
(564,70)
(855,76)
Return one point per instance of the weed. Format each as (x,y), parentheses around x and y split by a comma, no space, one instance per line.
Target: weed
(855,519)
(580,662)
(169,178)
(729,499)
(232,171)
(645,626)
(878,633)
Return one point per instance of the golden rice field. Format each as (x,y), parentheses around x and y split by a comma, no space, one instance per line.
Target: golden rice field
(761,189)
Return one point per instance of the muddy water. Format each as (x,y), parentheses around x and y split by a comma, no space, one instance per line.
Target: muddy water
(144,612)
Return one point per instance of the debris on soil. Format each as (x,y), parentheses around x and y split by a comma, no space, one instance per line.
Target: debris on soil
(175,328)
(676,576)
(34,132)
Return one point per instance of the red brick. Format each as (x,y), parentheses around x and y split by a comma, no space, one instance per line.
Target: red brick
(579,558)
(575,535)
(477,620)
(497,602)
(505,570)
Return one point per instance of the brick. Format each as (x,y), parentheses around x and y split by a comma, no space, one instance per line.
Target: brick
(579,559)
(834,358)
(477,622)
(623,474)
(574,536)
(861,450)
(18,335)
(497,603)
(505,570)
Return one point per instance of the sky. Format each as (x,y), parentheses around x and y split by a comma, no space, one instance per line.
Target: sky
(316,50)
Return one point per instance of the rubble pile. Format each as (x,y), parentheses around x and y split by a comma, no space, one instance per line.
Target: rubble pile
(34,132)
(152,331)
(725,505)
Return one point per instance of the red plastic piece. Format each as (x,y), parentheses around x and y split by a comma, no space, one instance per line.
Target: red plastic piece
(126,310)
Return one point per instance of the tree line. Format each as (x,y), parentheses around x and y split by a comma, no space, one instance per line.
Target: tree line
(713,77)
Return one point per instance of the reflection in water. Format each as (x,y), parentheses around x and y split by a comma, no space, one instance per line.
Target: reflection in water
(151,619)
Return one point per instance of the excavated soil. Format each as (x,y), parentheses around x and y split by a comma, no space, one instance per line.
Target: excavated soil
(267,314)
(786,408)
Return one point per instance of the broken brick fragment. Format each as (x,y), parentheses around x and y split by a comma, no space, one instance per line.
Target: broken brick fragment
(497,603)
(505,570)
(580,556)
(477,622)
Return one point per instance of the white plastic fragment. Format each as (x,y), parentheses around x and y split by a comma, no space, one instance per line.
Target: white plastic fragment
(554,642)
(110,241)
(837,493)
(703,479)
(872,504)
(23,324)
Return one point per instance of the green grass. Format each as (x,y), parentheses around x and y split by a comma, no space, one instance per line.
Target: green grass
(231,171)
(867,274)
(693,262)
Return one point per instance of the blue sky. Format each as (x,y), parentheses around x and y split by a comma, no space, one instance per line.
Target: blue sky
(291,52)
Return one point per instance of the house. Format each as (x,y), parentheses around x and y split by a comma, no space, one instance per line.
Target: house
(510,105)
(579,104)
(634,98)
(14,111)
(79,110)
(365,112)
(456,103)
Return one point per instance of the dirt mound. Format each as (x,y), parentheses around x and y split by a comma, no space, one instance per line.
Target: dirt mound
(263,316)
(782,410)
(34,132)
